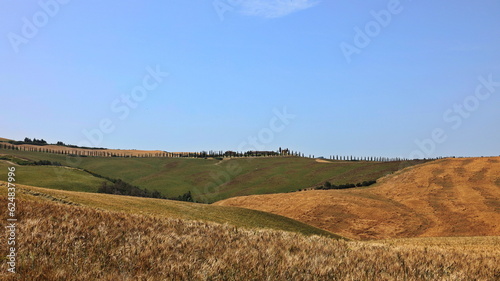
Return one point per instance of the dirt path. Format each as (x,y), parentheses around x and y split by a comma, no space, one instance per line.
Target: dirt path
(221,161)
(323,161)
(9,162)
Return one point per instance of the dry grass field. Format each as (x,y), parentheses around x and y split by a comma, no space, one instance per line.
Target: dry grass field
(63,242)
(239,217)
(447,197)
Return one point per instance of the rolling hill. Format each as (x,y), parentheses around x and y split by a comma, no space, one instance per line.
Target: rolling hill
(56,177)
(172,209)
(210,180)
(66,234)
(66,242)
(447,197)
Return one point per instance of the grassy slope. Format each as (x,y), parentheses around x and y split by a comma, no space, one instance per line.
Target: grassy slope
(210,180)
(176,209)
(61,242)
(448,197)
(53,177)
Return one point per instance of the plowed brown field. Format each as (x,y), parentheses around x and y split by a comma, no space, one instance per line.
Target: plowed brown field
(448,197)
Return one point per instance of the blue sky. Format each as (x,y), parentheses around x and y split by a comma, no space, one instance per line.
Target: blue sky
(384,78)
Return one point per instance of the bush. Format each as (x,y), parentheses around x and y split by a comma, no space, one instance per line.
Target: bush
(184,197)
(328,185)
(119,187)
(39,163)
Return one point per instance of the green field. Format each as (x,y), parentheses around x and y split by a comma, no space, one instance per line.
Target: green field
(53,177)
(239,217)
(209,180)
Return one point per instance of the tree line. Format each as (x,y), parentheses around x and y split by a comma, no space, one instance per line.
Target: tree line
(328,185)
(375,158)
(119,187)
(367,158)
(30,141)
(236,154)
(42,142)
(40,163)
(94,151)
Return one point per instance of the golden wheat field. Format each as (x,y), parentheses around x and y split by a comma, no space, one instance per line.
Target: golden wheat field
(447,197)
(66,242)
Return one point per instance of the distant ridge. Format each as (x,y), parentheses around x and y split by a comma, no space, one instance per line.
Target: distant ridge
(59,149)
(40,145)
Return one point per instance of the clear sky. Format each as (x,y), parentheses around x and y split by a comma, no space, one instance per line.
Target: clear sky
(348,77)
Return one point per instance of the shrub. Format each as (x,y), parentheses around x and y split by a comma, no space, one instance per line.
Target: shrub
(328,185)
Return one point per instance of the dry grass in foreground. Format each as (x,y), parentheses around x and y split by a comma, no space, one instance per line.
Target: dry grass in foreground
(63,242)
